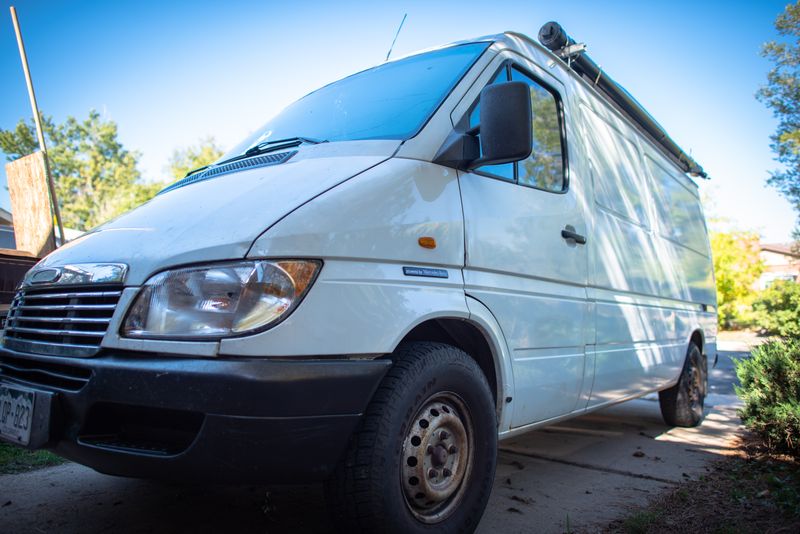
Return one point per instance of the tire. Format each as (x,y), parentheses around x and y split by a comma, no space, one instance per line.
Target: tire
(682,404)
(424,455)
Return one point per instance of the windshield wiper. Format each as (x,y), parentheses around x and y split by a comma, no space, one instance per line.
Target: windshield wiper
(198,169)
(278,144)
(267,146)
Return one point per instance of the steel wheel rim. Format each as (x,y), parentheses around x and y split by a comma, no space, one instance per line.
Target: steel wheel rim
(437,457)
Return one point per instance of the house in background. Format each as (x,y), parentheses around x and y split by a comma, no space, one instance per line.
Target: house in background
(7,230)
(781,262)
(7,239)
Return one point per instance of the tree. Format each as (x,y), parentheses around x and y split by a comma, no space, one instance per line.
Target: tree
(782,95)
(96,178)
(737,266)
(777,310)
(203,153)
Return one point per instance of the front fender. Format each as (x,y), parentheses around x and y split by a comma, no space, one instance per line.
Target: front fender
(356,308)
(482,317)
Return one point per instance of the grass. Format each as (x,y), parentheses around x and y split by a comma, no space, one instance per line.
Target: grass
(15,459)
(640,522)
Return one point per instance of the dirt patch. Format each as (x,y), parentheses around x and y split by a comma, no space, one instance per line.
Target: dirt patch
(748,492)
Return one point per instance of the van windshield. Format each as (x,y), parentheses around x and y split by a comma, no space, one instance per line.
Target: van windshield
(391,101)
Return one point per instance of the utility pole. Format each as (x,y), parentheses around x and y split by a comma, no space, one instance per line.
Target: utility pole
(39,132)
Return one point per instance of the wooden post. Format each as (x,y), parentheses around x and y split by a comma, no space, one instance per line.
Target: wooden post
(39,132)
(33,222)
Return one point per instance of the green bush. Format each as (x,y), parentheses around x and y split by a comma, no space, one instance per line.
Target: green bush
(770,389)
(777,309)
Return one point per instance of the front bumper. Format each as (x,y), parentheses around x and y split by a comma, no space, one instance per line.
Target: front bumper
(225,420)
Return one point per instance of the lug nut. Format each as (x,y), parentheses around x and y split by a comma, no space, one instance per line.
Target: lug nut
(447,472)
(429,450)
(452,449)
(444,435)
(432,473)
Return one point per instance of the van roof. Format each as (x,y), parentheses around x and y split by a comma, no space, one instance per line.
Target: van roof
(512,38)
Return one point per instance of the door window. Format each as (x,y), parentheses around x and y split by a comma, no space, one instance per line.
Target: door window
(545,168)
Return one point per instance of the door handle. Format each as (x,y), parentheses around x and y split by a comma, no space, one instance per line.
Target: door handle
(569,233)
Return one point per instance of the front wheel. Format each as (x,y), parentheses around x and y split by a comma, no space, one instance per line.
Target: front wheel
(682,404)
(424,456)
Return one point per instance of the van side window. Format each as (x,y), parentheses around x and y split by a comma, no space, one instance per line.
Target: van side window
(504,170)
(544,168)
(680,216)
(618,172)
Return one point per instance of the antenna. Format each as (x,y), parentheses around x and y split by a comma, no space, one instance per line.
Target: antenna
(395,37)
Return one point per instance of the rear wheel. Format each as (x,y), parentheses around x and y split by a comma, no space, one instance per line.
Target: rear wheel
(682,404)
(424,456)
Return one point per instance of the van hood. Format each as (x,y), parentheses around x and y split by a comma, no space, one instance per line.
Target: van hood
(219,218)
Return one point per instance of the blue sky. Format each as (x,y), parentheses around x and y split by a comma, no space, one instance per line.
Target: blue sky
(170,73)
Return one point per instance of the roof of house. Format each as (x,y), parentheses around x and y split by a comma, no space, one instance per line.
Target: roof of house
(5,217)
(787,249)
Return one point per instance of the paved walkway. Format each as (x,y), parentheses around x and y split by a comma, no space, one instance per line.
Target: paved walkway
(576,476)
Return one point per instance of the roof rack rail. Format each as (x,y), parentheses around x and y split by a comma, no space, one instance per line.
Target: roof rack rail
(553,37)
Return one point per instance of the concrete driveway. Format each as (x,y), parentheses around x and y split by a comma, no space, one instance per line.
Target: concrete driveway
(576,476)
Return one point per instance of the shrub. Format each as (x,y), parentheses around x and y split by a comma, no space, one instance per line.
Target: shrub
(770,389)
(777,309)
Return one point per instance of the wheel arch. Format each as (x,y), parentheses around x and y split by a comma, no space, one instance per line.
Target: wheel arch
(476,338)
(698,339)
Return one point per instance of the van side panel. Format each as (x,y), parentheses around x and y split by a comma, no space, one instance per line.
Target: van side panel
(651,271)
(638,347)
(647,294)
(682,236)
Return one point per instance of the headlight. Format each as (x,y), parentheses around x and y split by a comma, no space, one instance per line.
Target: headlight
(213,301)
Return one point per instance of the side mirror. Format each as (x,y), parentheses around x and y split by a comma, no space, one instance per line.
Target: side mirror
(505,123)
(505,130)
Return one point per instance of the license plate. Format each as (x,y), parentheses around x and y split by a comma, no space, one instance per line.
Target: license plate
(16,414)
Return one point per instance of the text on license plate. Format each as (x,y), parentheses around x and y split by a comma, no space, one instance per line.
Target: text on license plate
(16,414)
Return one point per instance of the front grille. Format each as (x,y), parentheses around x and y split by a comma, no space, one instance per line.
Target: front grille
(60,321)
(44,373)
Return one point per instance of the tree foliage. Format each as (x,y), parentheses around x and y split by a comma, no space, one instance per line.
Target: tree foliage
(782,95)
(737,266)
(96,178)
(777,309)
(184,160)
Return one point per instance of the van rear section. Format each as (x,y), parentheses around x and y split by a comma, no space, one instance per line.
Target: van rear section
(372,290)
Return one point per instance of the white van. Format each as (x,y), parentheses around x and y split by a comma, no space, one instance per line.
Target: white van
(393,274)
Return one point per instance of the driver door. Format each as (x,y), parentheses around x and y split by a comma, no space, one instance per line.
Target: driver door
(519,264)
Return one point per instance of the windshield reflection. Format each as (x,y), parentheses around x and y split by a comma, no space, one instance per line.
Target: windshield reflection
(391,101)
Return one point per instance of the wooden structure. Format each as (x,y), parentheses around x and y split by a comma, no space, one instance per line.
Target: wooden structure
(30,204)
